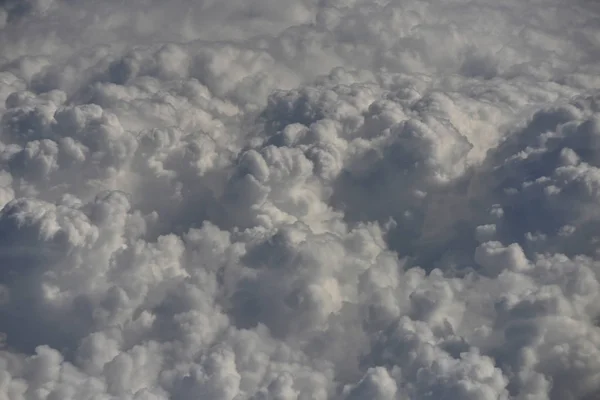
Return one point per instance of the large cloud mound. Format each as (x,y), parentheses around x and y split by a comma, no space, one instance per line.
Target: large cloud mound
(299,199)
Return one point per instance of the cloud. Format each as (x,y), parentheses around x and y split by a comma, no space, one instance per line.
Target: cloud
(292,200)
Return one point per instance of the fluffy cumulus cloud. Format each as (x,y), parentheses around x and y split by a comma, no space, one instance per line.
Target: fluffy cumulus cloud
(299,199)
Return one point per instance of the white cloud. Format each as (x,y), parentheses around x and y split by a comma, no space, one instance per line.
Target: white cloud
(299,200)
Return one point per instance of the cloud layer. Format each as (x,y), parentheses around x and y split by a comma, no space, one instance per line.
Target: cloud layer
(299,199)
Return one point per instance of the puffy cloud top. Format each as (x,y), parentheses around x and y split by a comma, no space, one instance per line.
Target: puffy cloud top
(299,199)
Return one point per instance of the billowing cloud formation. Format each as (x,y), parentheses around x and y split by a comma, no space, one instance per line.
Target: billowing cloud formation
(293,200)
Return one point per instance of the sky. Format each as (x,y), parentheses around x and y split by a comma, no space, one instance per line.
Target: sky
(299,200)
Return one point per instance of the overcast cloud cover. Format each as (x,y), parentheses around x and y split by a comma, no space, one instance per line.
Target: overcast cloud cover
(300,199)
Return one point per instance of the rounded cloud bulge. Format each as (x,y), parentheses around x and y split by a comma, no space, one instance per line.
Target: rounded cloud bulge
(299,199)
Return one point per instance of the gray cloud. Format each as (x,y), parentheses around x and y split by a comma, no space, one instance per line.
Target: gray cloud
(295,200)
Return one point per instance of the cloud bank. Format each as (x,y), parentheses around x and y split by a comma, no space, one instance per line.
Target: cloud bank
(299,199)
